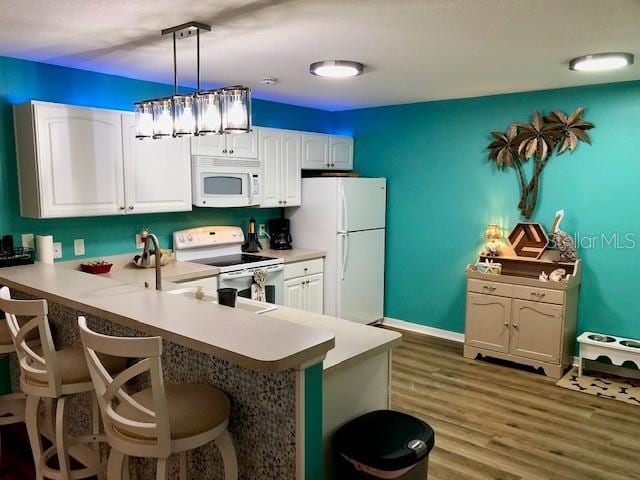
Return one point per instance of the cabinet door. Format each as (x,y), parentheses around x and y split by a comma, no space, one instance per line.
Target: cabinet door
(536,330)
(487,322)
(157,173)
(341,157)
(291,176)
(80,163)
(270,152)
(314,293)
(294,293)
(242,145)
(315,151)
(209,145)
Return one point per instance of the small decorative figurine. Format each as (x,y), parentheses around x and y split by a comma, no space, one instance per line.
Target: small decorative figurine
(557,275)
(563,241)
(543,277)
(493,233)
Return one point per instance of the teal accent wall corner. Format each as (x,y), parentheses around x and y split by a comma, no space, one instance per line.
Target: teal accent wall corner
(313,451)
(442,192)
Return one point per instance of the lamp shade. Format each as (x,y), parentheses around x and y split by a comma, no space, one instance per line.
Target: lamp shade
(493,232)
(162,118)
(236,109)
(144,120)
(209,112)
(184,111)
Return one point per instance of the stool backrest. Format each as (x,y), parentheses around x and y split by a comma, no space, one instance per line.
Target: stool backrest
(148,425)
(39,371)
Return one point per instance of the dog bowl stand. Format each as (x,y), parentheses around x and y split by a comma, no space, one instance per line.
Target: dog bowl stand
(614,350)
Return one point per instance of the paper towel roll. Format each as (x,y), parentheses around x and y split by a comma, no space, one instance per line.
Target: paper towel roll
(44,248)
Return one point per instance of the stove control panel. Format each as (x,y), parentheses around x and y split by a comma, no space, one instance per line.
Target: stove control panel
(206,237)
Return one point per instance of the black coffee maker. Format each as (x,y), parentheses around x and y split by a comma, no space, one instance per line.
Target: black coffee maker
(279,234)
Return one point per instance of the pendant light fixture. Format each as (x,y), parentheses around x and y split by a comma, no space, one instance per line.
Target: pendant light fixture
(226,110)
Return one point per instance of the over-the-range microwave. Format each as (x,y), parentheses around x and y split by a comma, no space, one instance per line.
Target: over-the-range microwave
(225,182)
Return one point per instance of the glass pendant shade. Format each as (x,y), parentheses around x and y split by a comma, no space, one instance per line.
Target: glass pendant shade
(144,120)
(162,118)
(209,115)
(184,115)
(236,109)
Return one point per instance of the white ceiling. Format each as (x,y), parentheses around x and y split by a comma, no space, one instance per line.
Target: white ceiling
(413,50)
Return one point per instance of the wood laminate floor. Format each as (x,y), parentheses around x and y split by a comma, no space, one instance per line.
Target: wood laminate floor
(497,422)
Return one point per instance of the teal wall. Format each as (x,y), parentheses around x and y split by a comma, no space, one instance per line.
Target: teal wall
(442,193)
(22,80)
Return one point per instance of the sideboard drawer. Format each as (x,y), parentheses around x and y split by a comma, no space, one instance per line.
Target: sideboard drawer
(539,294)
(490,288)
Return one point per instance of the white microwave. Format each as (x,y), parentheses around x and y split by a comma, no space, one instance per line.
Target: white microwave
(225,182)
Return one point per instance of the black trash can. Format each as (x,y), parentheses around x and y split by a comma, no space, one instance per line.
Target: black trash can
(383,444)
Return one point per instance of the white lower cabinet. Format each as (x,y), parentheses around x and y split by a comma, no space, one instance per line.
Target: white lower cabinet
(77,161)
(280,155)
(304,286)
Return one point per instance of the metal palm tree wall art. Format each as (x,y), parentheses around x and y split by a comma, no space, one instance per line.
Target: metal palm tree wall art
(537,141)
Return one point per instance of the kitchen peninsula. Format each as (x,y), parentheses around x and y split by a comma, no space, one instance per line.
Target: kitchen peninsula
(271,365)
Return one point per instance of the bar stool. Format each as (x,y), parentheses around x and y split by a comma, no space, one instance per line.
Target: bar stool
(52,375)
(157,421)
(12,404)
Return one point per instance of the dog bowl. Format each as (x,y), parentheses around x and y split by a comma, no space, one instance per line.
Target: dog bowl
(602,338)
(630,343)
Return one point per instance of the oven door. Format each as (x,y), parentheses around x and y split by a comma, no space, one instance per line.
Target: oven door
(242,281)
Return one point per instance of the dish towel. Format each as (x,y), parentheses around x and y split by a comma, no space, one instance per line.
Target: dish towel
(257,288)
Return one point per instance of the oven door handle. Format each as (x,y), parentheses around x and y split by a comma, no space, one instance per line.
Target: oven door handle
(249,273)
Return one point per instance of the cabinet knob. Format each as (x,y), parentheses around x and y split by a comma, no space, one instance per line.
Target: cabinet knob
(130,207)
(280,202)
(121,208)
(506,324)
(231,151)
(515,325)
(489,288)
(308,281)
(224,151)
(284,201)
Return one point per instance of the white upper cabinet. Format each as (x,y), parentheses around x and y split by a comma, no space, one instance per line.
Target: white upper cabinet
(326,152)
(280,155)
(75,161)
(238,145)
(315,151)
(69,161)
(157,173)
(341,152)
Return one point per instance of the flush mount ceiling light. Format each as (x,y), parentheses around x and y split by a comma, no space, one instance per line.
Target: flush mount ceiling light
(336,68)
(226,110)
(600,62)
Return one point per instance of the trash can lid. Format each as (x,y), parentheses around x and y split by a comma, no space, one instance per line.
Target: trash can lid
(385,440)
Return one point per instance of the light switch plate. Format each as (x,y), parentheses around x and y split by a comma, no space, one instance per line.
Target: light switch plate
(262,230)
(27,240)
(139,243)
(78,247)
(57,250)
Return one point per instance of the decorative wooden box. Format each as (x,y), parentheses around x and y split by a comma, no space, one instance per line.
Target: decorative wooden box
(515,316)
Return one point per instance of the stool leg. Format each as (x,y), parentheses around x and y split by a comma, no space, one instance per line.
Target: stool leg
(579,366)
(125,471)
(31,420)
(183,466)
(115,465)
(228,452)
(62,444)
(161,469)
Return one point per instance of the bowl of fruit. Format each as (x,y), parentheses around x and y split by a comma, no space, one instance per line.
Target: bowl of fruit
(96,267)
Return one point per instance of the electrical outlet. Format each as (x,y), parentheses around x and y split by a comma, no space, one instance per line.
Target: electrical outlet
(262,230)
(78,247)
(139,243)
(57,250)
(27,240)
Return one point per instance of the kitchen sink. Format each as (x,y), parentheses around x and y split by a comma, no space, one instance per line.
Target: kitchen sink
(242,303)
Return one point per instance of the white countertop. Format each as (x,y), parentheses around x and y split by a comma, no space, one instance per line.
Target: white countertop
(257,342)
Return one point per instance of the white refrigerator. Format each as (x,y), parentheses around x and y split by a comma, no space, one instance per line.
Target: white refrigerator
(346,218)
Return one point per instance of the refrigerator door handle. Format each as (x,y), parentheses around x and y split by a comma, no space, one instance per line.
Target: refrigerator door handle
(345,252)
(345,218)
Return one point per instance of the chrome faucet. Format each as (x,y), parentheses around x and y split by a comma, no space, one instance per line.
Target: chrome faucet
(146,257)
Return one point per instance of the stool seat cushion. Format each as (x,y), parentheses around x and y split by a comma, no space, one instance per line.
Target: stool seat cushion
(5,336)
(192,408)
(73,368)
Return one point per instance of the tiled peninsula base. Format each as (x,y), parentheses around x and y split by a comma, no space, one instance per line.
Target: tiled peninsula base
(263,406)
